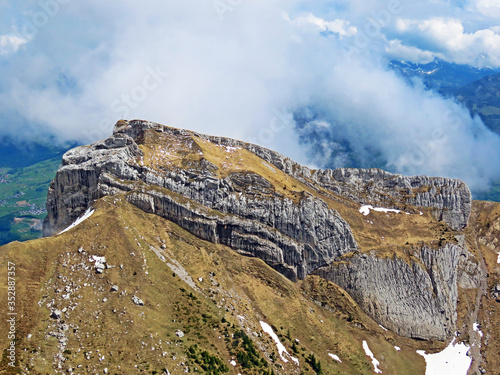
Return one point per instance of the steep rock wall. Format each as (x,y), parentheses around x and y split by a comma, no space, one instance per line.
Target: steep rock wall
(293,237)
(415,298)
(450,199)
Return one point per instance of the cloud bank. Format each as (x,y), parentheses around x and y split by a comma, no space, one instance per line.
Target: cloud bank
(246,69)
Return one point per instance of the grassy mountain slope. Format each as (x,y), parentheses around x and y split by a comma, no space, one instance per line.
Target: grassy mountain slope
(207,291)
(397,232)
(484,234)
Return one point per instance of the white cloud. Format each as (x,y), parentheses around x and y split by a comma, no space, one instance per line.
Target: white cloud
(448,38)
(243,75)
(489,8)
(337,26)
(395,49)
(10,43)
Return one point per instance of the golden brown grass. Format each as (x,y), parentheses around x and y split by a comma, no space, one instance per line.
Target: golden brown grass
(387,233)
(316,312)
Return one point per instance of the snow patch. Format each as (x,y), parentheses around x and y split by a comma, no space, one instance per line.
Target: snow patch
(233,363)
(81,219)
(498,259)
(397,348)
(365,209)
(381,326)
(335,357)
(281,348)
(369,353)
(452,360)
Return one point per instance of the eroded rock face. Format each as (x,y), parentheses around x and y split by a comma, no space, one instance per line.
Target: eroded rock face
(298,236)
(416,297)
(238,211)
(450,199)
(76,184)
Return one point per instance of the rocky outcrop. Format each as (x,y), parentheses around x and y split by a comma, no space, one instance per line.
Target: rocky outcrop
(415,297)
(293,237)
(76,184)
(295,234)
(449,199)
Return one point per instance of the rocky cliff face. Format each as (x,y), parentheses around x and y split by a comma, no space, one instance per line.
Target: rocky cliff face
(263,204)
(293,237)
(395,291)
(449,200)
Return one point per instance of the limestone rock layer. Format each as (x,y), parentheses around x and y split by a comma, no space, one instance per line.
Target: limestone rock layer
(262,204)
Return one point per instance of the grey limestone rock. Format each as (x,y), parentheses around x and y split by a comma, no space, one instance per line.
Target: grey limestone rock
(75,185)
(179,333)
(56,314)
(415,297)
(137,301)
(450,199)
(240,211)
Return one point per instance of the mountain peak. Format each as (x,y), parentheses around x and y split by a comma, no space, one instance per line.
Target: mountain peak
(262,204)
(224,256)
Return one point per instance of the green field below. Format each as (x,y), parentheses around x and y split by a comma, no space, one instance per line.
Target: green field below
(493,194)
(23,193)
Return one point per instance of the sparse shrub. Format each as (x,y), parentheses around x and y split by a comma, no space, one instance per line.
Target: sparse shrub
(315,364)
(211,364)
(246,354)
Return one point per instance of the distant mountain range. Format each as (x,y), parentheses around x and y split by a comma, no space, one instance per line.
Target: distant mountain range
(440,74)
(477,88)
